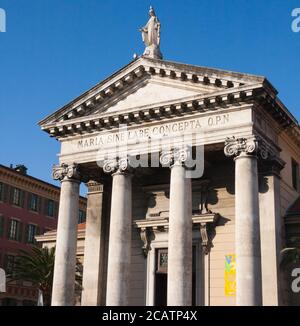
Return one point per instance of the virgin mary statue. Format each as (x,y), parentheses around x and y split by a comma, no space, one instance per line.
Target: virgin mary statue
(151,36)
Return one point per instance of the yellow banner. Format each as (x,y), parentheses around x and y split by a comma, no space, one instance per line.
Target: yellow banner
(230,275)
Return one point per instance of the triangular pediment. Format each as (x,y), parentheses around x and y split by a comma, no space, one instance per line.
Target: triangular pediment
(145,82)
(152,90)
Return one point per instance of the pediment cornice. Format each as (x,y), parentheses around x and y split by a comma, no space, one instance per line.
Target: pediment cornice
(137,70)
(166,110)
(87,112)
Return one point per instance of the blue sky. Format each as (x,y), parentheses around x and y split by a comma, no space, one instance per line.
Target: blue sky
(53,50)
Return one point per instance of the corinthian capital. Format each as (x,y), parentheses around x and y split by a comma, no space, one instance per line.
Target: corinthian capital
(177,156)
(117,165)
(66,171)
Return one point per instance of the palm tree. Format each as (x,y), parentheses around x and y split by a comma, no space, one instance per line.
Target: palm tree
(37,266)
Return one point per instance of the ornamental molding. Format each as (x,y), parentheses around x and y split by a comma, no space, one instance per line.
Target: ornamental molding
(82,124)
(207,224)
(66,172)
(145,237)
(149,227)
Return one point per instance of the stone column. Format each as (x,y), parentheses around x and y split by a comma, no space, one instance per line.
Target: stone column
(247,228)
(66,240)
(95,249)
(180,231)
(270,230)
(119,252)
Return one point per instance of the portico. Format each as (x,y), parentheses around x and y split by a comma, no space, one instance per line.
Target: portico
(174,157)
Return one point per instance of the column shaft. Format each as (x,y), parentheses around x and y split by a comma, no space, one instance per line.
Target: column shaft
(66,242)
(180,239)
(119,254)
(248,266)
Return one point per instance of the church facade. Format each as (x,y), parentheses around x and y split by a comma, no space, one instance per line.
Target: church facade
(190,172)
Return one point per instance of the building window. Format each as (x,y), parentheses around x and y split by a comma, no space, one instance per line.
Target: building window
(81,217)
(32,230)
(50,208)
(295,175)
(14,230)
(33,204)
(16,198)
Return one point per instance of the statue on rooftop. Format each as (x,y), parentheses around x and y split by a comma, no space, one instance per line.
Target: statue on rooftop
(151,36)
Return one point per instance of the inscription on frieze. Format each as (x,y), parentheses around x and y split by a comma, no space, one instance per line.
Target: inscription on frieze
(125,135)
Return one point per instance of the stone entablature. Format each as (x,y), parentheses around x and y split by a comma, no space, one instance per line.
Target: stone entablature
(207,128)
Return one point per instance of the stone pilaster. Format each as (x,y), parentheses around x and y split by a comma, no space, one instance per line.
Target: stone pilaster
(270,229)
(247,228)
(95,251)
(66,241)
(119,253)
(180,230)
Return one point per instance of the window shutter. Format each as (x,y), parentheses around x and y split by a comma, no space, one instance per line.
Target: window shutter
(6,192)
(20,231)
(28,200)
(40,204)
(8,227)
(11,195)
(45,205)
(22,199)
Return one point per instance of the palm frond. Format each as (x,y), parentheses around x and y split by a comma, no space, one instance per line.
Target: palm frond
(37,266)
(289,256)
